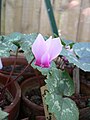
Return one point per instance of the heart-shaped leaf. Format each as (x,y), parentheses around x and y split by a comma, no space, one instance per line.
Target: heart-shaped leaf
(63,108)
(60,82)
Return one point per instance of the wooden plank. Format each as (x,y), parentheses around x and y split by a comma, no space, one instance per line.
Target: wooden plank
(17,15)
(36,16)
(84,25)
(69,20)
(9,16)
(30,16)
(27,13)
(3,17)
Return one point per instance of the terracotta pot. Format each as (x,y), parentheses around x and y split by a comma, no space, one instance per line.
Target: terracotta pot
(29,107)
(20,61)
(14,89)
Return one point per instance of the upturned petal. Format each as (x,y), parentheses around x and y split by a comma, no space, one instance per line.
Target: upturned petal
(1,64)
(55,47)
(39,48)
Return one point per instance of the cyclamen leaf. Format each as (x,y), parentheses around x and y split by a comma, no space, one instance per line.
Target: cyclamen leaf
(80,62)
(82,49)
(63,108)
(4,50)
(60,82)
(13,37)
(3,115)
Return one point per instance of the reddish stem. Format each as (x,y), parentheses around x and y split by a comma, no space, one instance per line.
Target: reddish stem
(2,94)
(18,75)
(12,68)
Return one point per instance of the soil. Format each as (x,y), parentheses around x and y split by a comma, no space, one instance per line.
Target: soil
(17,69)
(7,98)
(34,96)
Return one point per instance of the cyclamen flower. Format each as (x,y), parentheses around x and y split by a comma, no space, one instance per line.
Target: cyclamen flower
(46,51)
(1,64)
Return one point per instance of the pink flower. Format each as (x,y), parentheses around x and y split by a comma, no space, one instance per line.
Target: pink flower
(46,51)
(1,64)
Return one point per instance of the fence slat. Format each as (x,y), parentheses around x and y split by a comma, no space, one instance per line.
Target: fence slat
(69,20)
(17,15)
(9,16)
(3,17)
(84,24)
(29,16)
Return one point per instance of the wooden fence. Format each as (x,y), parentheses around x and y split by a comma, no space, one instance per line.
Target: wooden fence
(29,16)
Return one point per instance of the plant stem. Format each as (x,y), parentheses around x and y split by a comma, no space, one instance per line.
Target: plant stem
(13,67)
(18,75)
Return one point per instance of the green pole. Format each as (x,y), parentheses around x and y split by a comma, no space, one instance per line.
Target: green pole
(51,18)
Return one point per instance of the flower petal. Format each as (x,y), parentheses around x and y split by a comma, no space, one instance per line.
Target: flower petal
(39,48)
(55,47)
(45,60)
(1,64)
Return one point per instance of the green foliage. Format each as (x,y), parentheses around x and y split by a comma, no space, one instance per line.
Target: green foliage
(60,86)
(17,40)
(3,115)
(27,41)
(4,50)
(82,49)
(60,82)
(62,107)
(81,56)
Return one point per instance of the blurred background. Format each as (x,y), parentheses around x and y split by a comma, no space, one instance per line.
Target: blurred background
(27,16)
